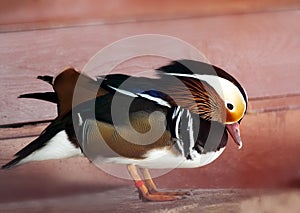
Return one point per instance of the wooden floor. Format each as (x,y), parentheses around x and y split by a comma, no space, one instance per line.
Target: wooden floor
(124,200)
(257,43)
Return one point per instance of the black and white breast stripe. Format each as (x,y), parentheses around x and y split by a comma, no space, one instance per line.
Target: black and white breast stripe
(182,129)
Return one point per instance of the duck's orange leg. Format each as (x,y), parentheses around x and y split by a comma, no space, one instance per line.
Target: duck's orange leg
(145,194)
(153,189)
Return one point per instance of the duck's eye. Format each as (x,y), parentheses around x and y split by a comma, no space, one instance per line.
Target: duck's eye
(230,106)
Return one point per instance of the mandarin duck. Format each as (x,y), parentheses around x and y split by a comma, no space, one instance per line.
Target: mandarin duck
(180,119)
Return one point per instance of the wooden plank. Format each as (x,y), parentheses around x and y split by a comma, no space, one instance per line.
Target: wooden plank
(32,14)
(274,104)
(258,49)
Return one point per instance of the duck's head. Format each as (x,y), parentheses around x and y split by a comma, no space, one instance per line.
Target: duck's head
(235,102)
(216,95)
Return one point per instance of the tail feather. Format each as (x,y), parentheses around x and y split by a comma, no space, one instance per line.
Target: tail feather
(54,142)
(45,96)
(46,78)
(12,163)
(55,127)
